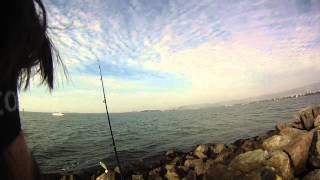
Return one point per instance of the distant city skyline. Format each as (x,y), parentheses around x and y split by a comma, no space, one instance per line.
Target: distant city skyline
(164,54)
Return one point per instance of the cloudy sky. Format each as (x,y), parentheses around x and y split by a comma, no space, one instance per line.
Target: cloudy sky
(160,54)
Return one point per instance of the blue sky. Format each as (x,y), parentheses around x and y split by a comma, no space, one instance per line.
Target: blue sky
(162,54)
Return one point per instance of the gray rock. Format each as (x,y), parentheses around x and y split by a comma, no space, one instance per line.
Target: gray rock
(201,151)
(249,161)
(298,150)
(313,175)
(281,162)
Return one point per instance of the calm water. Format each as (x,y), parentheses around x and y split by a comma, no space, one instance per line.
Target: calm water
(77,141)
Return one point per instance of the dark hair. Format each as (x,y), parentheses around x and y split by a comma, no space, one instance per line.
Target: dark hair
(26,49)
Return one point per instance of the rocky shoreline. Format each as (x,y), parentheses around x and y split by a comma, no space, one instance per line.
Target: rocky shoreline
(290,151)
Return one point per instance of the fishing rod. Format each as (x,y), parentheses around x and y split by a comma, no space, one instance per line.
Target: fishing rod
(108,118)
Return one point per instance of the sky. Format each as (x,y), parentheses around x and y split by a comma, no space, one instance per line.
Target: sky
(162,54)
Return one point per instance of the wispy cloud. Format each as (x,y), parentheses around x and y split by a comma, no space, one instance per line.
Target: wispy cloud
(187,52)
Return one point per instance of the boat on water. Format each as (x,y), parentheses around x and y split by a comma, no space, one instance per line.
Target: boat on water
(57,114)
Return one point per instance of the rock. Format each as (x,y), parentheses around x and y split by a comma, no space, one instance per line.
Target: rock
(155,174)
(280,126)
(176,161)
(171,154)
(263,173)
(238,142)
(317,121)
(298,150)
(313,175)
(306,117)
(269,174)
(156,177)
(117,169)
(276,142)
(183,168)
(281,162)
(111,175)
(291,132)
(190,176)
(189,157)
(249,145)
(224,156)
(249,161)
(188,163)
(172,175)
(314,158)
(217,148)
(296,125)
(137,177)
(316,110)
(199,166)
(201,151)
(218,172)
(171,172)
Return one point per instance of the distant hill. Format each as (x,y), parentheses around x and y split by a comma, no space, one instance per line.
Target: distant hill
(296,91)
(300,90)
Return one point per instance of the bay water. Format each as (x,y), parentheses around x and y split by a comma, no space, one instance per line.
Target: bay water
(80,140)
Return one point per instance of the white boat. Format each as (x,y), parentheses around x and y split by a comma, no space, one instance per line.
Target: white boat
(57,114)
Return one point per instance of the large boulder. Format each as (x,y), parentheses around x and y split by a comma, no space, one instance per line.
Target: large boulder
(298,150)
(249,161)
(291,132)
(306,115)
(285,137)
(281,162)
(315,150)
(276,142)
(313,175)
(201,151)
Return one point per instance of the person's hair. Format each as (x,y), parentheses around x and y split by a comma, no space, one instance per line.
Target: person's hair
(26,49)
